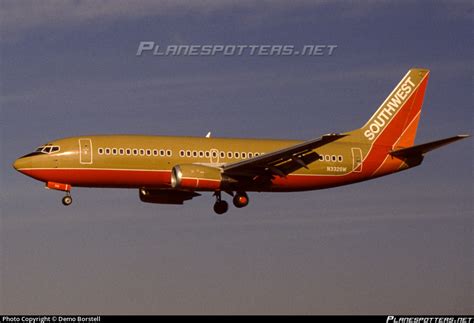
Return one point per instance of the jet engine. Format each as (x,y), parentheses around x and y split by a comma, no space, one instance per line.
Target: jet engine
(197,177)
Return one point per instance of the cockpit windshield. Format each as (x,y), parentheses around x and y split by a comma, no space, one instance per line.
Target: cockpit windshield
(48,149)
(44,150)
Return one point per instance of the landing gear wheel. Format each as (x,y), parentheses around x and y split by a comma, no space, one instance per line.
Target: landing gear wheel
(240,199)
(67,200)
(221,207)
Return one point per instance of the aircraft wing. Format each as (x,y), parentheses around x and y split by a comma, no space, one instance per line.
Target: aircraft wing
(281,162)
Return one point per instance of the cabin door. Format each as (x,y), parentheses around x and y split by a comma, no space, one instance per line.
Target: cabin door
(85,151)
(356,159)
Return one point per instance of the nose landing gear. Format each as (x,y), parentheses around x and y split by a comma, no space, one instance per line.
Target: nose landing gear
(67,200)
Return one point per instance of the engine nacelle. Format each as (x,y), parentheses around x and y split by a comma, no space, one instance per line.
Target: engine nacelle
(165,196)
(196,177)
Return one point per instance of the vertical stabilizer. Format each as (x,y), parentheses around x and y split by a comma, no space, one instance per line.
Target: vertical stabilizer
(395,122)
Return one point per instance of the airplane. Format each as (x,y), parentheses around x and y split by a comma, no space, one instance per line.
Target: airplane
(172,170)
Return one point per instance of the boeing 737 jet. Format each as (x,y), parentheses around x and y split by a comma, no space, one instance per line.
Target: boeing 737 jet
(171,170)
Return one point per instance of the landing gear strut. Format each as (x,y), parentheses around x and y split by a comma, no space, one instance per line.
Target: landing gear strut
(67,200)
(221,206)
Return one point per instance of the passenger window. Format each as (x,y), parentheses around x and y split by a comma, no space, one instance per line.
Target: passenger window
(114,151)
(181,153)
(201,154)
(340,158)
(229,155)
(256,154)
(128,151)
(155,152)
(244,155)
(100,151)
(250,155)
(222,154)
(135,152)
(121,151)
(148,152)
(162,152)
(236,155)
(195,153)
(188,153)
(208,154)
(169,153)
(142,152)
(107,151)
(334,158)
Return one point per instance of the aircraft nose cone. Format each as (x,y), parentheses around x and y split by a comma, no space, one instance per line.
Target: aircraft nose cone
(21,163)
(16,164)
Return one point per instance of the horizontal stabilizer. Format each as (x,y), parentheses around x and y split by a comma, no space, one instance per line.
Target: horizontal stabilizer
(422,149)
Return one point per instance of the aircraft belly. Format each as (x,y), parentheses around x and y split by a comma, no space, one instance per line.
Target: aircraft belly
(119,178)
(311,182)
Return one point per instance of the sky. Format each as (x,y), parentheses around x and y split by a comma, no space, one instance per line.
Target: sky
(397,244)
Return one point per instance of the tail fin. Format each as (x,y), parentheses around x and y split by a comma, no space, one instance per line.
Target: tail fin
(395,122)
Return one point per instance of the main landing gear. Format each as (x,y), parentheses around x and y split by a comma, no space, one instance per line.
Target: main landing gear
(240,200)
(221,206)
